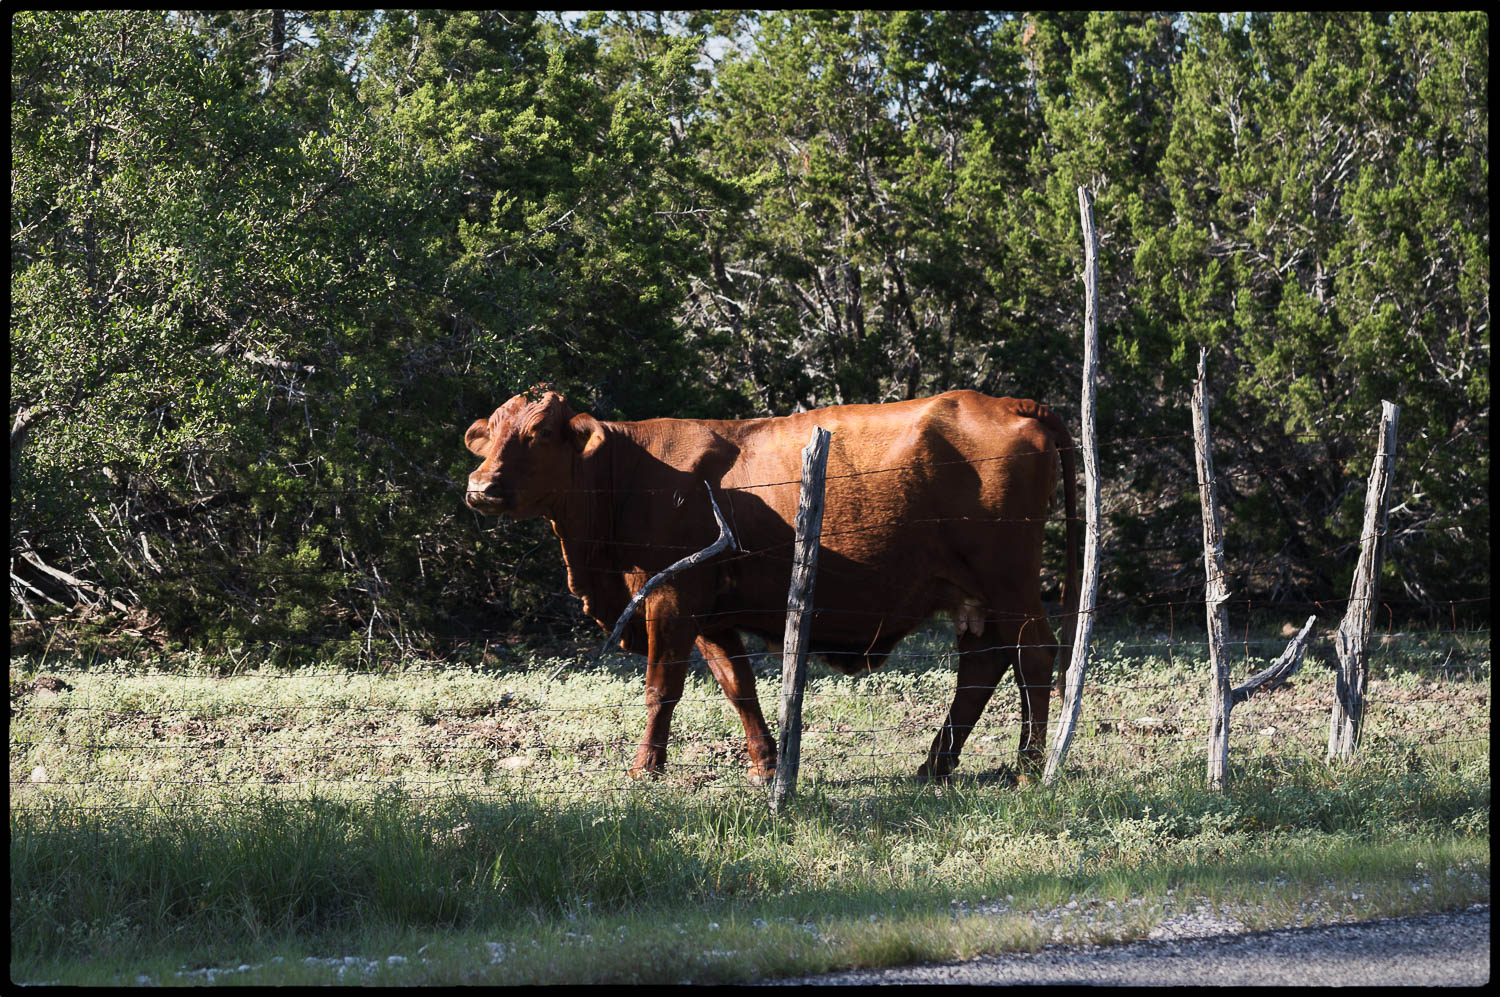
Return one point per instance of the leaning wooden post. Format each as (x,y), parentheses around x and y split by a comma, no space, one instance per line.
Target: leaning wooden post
(1217,588)
(799,600)
(1354,631)
(1083,628)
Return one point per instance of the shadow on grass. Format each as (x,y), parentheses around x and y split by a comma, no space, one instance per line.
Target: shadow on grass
(91,884)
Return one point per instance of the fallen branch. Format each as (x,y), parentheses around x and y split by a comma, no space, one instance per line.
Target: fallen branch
(76,584)
(17,583)
(726,539)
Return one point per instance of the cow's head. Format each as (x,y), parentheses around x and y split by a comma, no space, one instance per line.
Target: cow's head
(531,446)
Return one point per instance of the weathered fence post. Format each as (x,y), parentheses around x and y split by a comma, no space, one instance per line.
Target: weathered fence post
(1216,591)
(1354,630)
(1083,624)
(799,599)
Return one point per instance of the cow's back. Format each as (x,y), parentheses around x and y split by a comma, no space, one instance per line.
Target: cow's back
(958,454)
(928,502)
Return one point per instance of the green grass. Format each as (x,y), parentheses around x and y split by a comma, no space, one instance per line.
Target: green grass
(477,823)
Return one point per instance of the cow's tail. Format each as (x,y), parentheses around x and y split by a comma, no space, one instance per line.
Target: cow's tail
(1068,453)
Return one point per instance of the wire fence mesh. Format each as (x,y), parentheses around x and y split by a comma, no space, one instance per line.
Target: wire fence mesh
(112,737)
(464,713)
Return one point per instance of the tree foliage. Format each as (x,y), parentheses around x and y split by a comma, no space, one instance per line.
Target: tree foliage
(266,265)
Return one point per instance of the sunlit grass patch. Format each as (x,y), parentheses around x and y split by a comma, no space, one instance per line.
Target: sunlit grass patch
(181,816)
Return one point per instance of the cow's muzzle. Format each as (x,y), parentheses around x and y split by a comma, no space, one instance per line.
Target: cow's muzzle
(491,501)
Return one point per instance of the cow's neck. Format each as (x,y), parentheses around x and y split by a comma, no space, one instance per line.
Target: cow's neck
(584,523)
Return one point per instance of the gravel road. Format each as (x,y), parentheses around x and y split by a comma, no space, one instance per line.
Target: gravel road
(1449,949)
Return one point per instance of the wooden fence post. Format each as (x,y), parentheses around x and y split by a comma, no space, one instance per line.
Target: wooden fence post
(1353,634)
(1216,590)
(1083,624)
(799,599)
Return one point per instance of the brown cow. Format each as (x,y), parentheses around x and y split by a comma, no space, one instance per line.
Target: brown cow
(935,504)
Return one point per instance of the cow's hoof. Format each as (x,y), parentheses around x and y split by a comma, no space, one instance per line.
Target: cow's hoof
(928,773)
(761,777)
(646,771)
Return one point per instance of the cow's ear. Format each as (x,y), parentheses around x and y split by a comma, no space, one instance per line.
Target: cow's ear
(477,436)
(587,433)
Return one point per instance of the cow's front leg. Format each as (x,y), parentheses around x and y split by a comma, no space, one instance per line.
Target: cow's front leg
(725,654)
(664,681)
(669,647)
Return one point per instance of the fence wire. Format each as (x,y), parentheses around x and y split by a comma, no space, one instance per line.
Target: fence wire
(103,739)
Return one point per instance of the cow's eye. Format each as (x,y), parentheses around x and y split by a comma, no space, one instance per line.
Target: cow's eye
(543,433)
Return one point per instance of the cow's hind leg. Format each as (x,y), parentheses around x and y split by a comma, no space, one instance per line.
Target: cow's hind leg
(725,654)
(1034,678)
(982,659)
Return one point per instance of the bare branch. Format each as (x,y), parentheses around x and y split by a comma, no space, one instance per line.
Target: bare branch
(1281,669)
(26,419)
(725,539)
(287,366)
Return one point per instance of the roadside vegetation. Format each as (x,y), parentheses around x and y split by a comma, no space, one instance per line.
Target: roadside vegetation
(278,696)
(473,824)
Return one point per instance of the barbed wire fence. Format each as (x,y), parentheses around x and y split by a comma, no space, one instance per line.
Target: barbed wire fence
(162,740)
(568,726)
(157,739)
